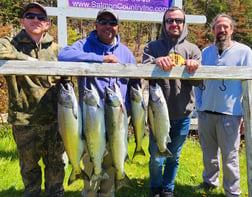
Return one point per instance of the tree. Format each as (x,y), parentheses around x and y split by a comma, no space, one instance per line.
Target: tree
(242,15)
(239,10)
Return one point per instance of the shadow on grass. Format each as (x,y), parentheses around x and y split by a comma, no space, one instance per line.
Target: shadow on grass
(11,192)
(72,194)
(9,154)
(181,190)
(141,189)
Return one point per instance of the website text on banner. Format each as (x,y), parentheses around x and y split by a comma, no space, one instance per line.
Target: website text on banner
(129,5)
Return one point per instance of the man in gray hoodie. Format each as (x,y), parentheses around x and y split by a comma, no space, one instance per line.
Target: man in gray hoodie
(172,50)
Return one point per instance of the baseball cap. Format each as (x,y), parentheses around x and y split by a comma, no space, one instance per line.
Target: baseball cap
(107,10)
(34,5)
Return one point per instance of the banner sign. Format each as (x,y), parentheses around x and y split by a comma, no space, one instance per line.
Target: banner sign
(129,5)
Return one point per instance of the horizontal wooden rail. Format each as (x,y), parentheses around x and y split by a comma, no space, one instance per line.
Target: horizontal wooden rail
(146,71)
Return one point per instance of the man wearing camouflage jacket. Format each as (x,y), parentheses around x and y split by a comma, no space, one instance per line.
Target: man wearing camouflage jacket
(33,105)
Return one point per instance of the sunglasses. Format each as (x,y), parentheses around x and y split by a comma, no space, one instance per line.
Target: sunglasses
(40,17)
(103,21)
(177,20)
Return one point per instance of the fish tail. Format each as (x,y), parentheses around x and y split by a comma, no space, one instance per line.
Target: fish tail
(125,182)
(102,176)
(168,139)
(166,153)
(138,152)
(84,176)
(105,175)
(73,177)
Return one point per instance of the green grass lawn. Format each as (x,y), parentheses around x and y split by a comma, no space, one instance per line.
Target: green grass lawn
(189,172)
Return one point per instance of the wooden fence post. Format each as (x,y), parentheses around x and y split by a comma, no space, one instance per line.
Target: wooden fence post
(247,104)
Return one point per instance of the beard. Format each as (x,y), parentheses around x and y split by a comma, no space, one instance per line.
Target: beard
(221,41)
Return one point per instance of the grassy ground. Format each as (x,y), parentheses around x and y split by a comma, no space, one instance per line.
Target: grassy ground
(189,173)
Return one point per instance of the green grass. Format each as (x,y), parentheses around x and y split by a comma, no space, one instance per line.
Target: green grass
(189,172)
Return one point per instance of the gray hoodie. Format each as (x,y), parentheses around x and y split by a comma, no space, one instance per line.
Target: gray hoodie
(178,93)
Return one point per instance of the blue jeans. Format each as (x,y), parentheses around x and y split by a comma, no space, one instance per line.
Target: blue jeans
(178,133)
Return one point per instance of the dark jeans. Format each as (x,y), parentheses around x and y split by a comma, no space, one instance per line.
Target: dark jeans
(178,133)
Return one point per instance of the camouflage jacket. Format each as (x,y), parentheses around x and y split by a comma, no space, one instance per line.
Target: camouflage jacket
(32,99)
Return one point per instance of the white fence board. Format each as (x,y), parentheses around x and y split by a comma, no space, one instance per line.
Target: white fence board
(146,71)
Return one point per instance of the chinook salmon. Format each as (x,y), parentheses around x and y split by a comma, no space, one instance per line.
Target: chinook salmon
(94,130)
(117,133)
(159,120)
(138,117)
(70,128)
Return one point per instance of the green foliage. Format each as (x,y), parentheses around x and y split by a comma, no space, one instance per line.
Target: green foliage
(5,131)
(11,10)
(73,36)
(214,7)
(242,13)
(239,10)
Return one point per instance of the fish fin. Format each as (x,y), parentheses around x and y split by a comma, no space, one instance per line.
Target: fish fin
(82,165)
(73,177)
(122,107)
(102,176)
(133,88)
(140,152)
(126,158)
(105,175)
(166,153)
(84,176)
(81,159)
(143,105)
(75,109)
(100,105)
(125,182)
(75,113)
(94,177)
(168,139)
(106,152)
(130,120)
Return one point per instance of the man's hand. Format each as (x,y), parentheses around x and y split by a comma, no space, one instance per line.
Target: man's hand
(165,63)
(110,59)
(191,65)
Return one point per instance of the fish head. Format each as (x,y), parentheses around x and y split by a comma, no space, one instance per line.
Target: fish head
(155,93)
(111,97)
(66,95)
(118,92)
(136,94)
(91,96)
